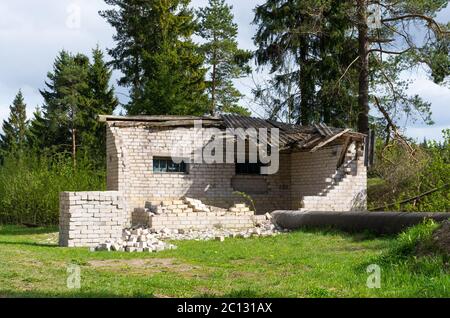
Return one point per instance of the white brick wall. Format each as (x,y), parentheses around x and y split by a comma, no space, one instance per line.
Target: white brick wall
(90,218)
(304,180)
(130,170)
(130,151)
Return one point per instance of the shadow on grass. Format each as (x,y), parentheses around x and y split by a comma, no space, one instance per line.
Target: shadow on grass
(243,293)
(5,293)
(29,244)
(355,236)
(23,230)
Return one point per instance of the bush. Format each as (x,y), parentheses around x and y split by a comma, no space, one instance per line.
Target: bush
(30,187)
(400,176)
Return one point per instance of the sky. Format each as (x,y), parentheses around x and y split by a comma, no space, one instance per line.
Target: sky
(33,32)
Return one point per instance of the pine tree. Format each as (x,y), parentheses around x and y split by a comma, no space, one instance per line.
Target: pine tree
(388,45)
(13,139)
(223,57)
(161,64)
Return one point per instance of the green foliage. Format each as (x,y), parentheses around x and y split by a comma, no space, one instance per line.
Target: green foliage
(76,92)
(30,187)
(307,46)
(403,176)
(407,242)
(223,57)
(312,51)
(38,135)
(13,139)
(161,64)
(102,102)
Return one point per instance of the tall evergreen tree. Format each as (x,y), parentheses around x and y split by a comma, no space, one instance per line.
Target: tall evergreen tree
(161,64)
(76,92)
(38,135)
(288,41)
(13,139)
(66,100)
(223,57)
(102,101)
(349,53)
(391,43)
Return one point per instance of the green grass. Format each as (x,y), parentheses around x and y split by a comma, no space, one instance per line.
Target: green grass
(298,264)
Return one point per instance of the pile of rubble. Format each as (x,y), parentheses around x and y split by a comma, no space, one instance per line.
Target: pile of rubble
(187,205)
(144,239)
(138,239)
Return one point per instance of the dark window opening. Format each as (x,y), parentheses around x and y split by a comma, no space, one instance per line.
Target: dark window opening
(248,168)
(166,165)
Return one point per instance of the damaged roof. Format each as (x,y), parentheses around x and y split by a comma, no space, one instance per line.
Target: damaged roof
(290,136)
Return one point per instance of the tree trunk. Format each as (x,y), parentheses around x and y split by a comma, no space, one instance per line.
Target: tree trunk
(305,111)
(74,147)
(213,83)
(363,91)
(213,90)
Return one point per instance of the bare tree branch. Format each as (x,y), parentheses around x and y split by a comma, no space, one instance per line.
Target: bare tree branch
(428,19)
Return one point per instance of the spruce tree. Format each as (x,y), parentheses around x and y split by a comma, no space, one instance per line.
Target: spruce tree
(336,60)
(102,101)
(161,64)
(67,101)
(287,41)
(77,91)
(13,139)
(38,136)
(223,57)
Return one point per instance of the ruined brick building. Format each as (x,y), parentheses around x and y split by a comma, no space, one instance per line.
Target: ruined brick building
(320,168)
(166,172)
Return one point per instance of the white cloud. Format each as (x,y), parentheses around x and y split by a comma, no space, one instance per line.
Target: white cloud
(439,97)
(427,132)
(32,33)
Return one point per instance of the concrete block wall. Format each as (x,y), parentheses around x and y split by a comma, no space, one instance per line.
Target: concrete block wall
(90,218)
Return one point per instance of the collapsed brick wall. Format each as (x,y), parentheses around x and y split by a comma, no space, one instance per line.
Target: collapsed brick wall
(90,218)
(347,190)
(201,220)
(192,213)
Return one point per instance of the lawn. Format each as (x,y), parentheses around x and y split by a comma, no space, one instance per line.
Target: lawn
(297,264)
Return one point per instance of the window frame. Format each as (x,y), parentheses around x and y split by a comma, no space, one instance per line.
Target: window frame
(168,162)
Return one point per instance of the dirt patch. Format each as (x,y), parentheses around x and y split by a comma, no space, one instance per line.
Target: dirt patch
(441,237)
(439,242)
(132,262)
(149,266)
